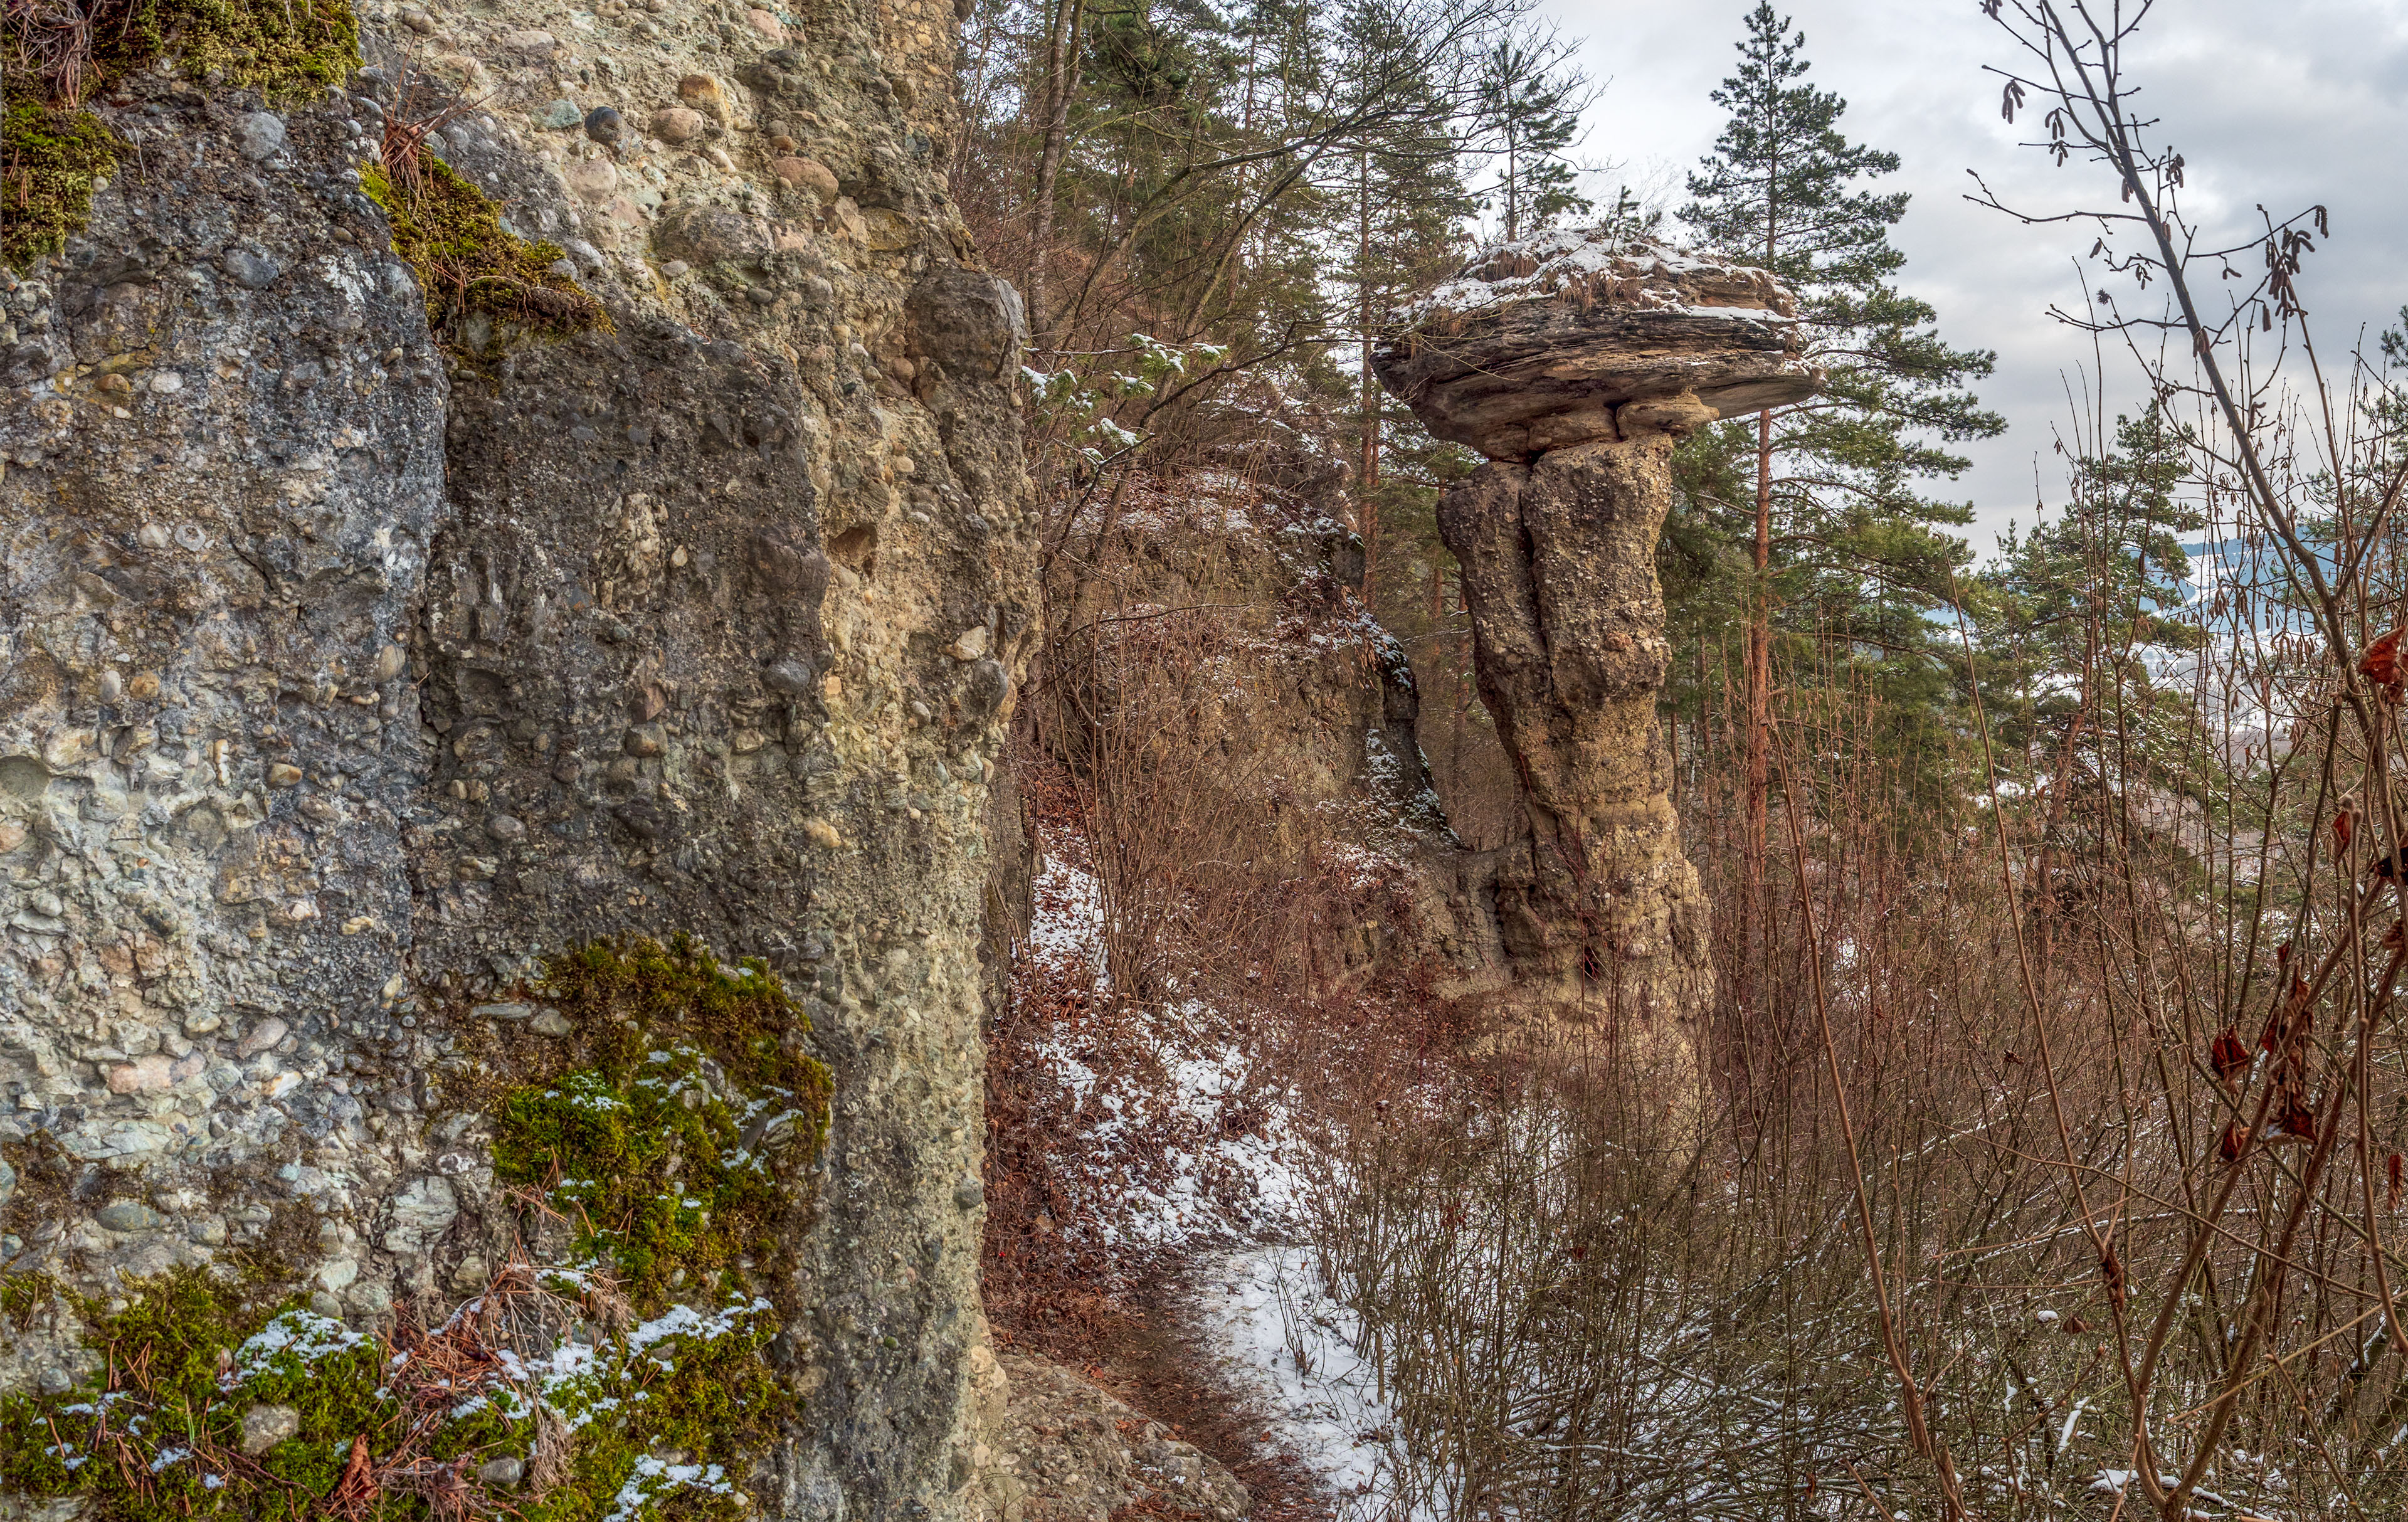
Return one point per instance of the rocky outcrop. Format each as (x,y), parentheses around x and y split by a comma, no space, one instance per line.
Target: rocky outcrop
(355,660)
(1074,1453)
(1574,336)
(1215,610)
(1575,363)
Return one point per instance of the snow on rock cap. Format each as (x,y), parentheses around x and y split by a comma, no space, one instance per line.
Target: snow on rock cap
(1582,334)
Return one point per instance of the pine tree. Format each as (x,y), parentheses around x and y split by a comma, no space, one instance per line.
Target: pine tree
(1843,544)
(2080,593)
(1531,101)
(2078,611)
(1410,210)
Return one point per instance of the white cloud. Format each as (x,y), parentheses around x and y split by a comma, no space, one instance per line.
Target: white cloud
(2288,105)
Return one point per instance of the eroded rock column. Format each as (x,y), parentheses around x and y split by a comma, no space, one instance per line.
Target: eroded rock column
(1576,365)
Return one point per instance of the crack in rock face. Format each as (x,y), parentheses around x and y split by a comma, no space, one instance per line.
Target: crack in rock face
(1575,362)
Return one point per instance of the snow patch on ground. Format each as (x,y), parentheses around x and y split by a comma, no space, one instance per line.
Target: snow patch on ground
(1195,1150)
(1183,1141)
(1282,1341)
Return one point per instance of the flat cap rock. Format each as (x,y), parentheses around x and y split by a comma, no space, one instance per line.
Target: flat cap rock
(1582,334)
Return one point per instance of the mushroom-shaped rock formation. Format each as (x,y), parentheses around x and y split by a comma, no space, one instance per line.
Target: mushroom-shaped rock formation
(1572,337)
(1575,362)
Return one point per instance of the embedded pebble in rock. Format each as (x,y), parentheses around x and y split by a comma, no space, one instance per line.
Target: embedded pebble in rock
(604,124)
(247,269)
(156,1071)
(971,645)
(258,135)
(708,235)
(263,1426)
(559,116)
(705,93)
(676,125)
(422,1212)
(807,175)
(128,1215)
(795,679)
(766,25)
(532,44)
(595,179)
(550,1023)
(261,1037)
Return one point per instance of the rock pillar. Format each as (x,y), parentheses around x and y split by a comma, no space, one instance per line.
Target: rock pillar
(1576,365)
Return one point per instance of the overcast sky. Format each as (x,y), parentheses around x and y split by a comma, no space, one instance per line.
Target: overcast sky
(2286,102)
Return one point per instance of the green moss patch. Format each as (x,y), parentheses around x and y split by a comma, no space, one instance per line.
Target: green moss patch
(285,52)
(674,1145)
(651,1420)
(629,1376)
(159,1434)
(49,162)
(52,149)
(467,263)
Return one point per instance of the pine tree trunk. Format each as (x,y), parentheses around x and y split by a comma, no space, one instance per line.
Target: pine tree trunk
(1367,478)
(1061,52)
(1759,696)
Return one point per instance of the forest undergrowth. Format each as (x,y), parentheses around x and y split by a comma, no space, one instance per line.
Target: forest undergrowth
(2052,1163)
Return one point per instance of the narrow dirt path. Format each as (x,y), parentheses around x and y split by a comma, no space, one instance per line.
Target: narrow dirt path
(1150,1354)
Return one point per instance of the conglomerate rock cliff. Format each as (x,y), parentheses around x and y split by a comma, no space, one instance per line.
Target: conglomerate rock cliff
(361,654)
(1575,360)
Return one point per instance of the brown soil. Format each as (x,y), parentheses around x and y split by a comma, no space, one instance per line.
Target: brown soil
(1146,1351)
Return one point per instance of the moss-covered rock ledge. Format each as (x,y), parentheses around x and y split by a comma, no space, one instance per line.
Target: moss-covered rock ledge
(653,1120)
(54,150)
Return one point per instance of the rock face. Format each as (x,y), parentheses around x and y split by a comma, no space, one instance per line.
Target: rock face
(349,667)
(1576,366)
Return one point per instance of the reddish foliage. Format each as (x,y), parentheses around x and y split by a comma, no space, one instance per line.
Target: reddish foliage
(2227,1055)
(2381,664)
(2236,1136)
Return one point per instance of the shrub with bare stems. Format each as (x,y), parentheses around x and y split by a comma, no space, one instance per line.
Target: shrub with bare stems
(2061,1166)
